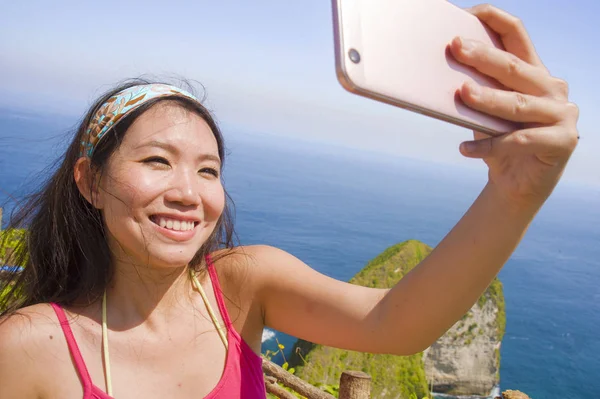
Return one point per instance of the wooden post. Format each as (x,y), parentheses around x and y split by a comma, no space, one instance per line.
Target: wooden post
(355,385)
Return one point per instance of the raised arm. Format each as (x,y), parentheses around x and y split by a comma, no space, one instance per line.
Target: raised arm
(524,167)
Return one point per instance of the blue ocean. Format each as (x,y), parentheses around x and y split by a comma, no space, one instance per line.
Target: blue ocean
(337,208)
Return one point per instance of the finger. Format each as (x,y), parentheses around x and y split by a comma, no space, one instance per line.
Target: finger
(512,32)
(549,144)
(513,106)
(506,68)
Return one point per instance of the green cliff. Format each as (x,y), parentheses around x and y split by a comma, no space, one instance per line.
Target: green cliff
(409,376)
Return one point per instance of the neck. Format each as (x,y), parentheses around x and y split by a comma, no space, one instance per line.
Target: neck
(150,296)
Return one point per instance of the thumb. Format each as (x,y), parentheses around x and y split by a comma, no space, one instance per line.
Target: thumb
(481,148)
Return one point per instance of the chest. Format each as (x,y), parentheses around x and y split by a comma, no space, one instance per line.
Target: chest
(188,361)
(175,368)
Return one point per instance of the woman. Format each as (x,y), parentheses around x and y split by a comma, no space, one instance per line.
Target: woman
(130,248)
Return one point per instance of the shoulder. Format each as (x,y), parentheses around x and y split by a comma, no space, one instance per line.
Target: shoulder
(27,329)
(249,255)
(248,264)
(26,348)
(244,271)
(253,271)
(243,253)
(238,266)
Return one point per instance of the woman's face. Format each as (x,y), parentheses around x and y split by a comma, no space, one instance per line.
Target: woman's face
(161,193)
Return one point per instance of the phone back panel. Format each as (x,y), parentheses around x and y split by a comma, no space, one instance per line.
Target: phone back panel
(404,57)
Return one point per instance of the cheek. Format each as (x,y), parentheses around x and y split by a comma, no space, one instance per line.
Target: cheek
(127,193)
(214,202)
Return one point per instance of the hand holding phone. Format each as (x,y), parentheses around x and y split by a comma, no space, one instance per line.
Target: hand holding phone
(519,103)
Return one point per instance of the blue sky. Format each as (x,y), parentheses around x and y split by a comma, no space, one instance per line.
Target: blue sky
(268,68)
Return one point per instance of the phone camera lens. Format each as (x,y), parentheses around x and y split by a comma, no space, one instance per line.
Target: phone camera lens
(354,56)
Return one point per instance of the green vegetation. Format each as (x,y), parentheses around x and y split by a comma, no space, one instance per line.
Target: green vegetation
(4,291)
(391,375)
(271,355)
(9,240)
(9,244)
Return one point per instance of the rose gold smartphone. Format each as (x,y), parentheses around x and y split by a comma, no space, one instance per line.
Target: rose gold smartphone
(396,51)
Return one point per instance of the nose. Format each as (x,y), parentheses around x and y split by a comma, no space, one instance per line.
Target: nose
(185,188)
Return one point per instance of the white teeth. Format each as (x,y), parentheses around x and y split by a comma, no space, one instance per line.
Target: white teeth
(177,225)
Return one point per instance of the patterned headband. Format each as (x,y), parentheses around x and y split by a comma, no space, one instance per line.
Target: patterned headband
(119,105)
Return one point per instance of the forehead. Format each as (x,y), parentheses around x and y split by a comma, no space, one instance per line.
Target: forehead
(169,122)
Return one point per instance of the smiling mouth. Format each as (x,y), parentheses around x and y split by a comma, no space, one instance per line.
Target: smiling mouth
(174,224)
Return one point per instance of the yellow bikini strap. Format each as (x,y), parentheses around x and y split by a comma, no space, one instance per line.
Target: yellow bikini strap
(219,328)
(105,348)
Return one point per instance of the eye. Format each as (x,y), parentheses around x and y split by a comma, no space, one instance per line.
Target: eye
(156,160)
(210,171)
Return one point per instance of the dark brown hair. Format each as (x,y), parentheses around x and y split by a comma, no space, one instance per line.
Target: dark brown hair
(64,252)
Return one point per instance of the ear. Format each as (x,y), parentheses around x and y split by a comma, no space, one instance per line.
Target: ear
(87,182)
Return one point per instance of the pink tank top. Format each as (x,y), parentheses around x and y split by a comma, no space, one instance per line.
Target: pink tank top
(242,376)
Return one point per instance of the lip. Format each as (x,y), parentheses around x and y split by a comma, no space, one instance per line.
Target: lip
(173,234)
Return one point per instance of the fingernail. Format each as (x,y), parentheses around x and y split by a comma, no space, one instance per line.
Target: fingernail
(469,147)
(466,44)
(473,89)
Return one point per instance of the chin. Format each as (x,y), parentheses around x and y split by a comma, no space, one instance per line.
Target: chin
(172,260)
